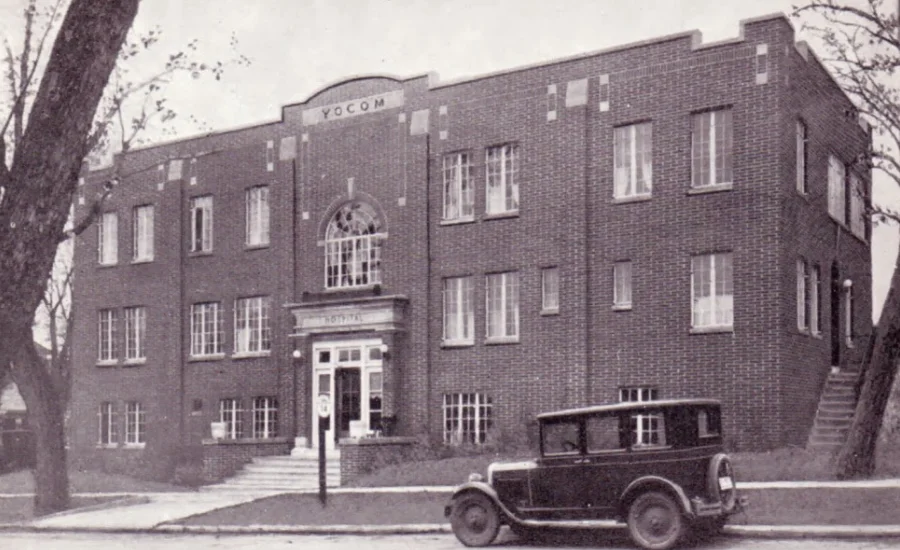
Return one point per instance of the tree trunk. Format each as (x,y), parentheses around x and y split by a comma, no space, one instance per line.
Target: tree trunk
(857,457)
(38,190)
(41,391)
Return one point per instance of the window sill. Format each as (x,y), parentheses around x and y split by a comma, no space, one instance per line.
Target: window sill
(627,200)
(501,215)
(370,286)
(459,221)
(452,345)
(107,446)
(137,261)
(251,354)
(134,446)
(549,312)
(816,335)
(622,307)
(108,363)
(710,189)
(104,266)
(199,358)
(499,341)
(260,246)
(199,253)
(712,330)
(135,362)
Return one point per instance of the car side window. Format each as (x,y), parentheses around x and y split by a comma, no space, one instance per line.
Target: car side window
(603,434)
(708,423)
(561,438)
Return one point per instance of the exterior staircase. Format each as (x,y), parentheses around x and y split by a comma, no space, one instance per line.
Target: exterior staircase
(835,413)
(297,472)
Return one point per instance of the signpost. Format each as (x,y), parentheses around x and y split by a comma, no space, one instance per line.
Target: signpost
(323,407)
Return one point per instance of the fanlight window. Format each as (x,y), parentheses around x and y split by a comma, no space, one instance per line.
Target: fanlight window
(353,247)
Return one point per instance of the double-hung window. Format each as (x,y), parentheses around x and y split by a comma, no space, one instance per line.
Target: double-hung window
(711,149)
(135,331)
(467,418)
(622,285)
(107,340)
(207,336)
(107,424)
(502,167)
(459,189)
(202,224)
(633,160)
(231,414)
(801,140)
(848,315)
(646,429)
(251,324)
(804,304)
(502,305)
(837,189)
(712,288)
(108,239)
(550,290)
(265,417)
(459,315)
(142,247)
(257,216)
(135,433)
(815,300)
(857,207)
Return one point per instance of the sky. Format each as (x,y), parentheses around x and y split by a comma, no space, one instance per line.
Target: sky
(297,47)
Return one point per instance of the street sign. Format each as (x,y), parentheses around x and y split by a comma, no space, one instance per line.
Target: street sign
(323,405)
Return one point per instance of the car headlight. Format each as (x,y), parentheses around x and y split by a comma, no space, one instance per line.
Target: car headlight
(475,477)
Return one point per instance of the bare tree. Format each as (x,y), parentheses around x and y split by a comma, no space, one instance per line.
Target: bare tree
(84,98)
(862,50)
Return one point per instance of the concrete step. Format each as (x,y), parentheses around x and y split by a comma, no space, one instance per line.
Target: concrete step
(275,482)
(299,469)
(839,389)
(829,422)
(286,459)
(259,490)
(840,398)
(829,431)
(827,438)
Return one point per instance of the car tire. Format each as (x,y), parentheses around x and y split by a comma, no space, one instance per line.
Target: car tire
(655,521)
(720,466)
(475,520)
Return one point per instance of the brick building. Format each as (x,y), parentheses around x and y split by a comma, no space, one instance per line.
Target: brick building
(657,220)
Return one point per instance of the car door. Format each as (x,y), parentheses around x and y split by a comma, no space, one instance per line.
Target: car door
(605,463)
(556,488)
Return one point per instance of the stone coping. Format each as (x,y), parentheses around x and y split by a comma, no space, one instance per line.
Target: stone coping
(247,441)
(388,440)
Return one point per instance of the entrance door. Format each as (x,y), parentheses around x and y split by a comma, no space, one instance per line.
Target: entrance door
(348,399)
(835,316)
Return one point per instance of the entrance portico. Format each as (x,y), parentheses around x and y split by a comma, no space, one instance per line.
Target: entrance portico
(352,361)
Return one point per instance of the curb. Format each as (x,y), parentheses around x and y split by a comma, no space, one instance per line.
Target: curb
(812,531)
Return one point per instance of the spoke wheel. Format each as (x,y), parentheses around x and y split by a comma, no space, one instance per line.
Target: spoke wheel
(655,521)
(475,520)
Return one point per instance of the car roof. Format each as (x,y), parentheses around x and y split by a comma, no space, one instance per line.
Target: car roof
(631,405)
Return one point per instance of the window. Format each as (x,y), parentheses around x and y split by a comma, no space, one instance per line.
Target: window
(459,315)
(622,285)
(106,343)
(603,434)
(207,335)
(135,330)
(135,433)
(560,438)
(107,429)
(803,295)
(265,417)
(646,429)
(502,166)
(815,301)
(857,207)
(108,239)
(801,157)
(550,289)
(633,160)
(502,292)
(142,247)
(251,324)
(467,418)
(711,148)
(848,314)
(459,192)
(376,392)
(202,224)
(353,247)
(836,189)
(712,291)
(257,216)
(230,412)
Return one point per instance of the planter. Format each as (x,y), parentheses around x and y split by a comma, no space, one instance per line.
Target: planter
(217,430)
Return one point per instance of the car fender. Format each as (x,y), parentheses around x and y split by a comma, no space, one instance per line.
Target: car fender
(486,490)
(646,482)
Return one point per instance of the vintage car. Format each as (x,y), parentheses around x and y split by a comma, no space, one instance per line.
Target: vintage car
(657,466)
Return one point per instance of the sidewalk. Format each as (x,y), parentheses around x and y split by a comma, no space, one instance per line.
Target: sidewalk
(161,512)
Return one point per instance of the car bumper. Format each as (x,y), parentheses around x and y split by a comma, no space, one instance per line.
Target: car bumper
(701,508)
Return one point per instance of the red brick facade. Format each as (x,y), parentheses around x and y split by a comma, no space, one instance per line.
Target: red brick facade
(561,116)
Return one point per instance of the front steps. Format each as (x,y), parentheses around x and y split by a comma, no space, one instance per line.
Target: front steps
(294,473)
(835,413)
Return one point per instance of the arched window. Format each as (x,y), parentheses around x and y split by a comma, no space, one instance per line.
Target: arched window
(353,247)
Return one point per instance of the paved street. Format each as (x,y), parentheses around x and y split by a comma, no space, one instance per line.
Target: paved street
(49,541)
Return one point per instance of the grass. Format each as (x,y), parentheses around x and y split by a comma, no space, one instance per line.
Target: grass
(87,482)
(18,509)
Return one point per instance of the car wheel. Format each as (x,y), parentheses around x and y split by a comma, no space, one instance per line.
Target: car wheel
(475,520)
(655,521)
